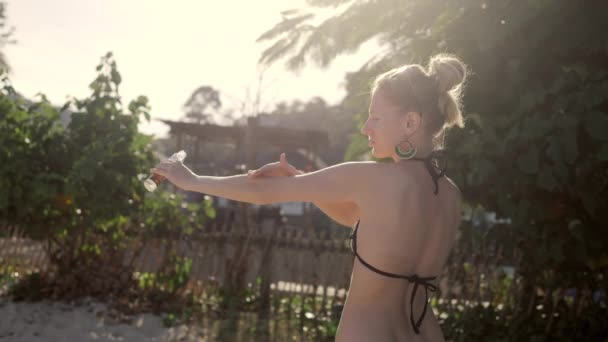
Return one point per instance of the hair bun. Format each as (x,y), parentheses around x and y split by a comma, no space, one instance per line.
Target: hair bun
(449,71)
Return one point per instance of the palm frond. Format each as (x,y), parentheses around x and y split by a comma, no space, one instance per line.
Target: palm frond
(279,48)
(4,63)
(327,3)
(285,26)
(343,33)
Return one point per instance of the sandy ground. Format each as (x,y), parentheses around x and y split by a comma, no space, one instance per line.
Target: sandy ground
(90,321)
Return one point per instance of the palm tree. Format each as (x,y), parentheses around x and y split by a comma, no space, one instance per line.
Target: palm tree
(354,22)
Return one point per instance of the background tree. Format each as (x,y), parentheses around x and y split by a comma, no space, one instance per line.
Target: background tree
(317,114)
(5,36)
(78,189)
(534,150)
(202,104)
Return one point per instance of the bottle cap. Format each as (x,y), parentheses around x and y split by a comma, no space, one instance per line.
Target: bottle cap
(178,156)
(150,185)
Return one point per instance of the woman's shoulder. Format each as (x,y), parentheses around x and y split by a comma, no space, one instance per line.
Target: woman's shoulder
(362,172)
(453,187)
(454,191)
(371,170)
(409,179)
(362,166)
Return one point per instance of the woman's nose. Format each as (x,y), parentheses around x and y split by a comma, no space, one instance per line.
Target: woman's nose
(364,129)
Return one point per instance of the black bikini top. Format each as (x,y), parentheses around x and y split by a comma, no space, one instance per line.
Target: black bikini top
(436,172)
(436,165)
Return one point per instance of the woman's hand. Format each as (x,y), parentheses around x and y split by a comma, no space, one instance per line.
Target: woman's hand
(175,172)
(278,169)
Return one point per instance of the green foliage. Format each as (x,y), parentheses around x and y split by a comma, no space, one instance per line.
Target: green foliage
(5,37)
(79,188)
(170,280)
(534,150)
(107,151)
(32,146)
(167,215)
(8,278)
(58,179)
(483,322)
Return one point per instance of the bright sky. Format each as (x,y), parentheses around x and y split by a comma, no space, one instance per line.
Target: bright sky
(164,50)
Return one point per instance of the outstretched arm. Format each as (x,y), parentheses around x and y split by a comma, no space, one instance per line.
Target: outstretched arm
(237,187)
(344,213)
(337,183)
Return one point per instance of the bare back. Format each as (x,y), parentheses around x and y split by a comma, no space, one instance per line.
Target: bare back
(405,228)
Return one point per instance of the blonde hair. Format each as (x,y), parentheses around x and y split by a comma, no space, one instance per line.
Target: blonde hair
(435,92)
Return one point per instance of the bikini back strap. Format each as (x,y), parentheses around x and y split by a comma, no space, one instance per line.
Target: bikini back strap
(427,287)
(424,281)
(436,164)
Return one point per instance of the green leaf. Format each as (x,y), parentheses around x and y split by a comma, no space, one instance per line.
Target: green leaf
(569,146)
(116,77)
(527,101)
(590,202)
(534,128)
(65,106)
(582,71)
(560,172)
(563,147)
(553,150)
(596,124)
(546,180)
(602,154)
(574,227)
(528,161)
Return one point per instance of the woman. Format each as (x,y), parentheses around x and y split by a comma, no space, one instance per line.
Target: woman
(405,213)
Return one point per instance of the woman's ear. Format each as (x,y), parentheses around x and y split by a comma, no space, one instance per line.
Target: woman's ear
(412,122)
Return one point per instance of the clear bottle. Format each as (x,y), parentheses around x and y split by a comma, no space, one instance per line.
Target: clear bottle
(154,180)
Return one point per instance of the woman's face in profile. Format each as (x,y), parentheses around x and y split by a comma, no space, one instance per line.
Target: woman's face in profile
(384,126)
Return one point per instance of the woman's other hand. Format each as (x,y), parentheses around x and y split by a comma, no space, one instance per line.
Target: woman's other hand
(278,169)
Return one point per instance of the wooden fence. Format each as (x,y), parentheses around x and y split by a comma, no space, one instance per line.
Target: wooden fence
(290,258)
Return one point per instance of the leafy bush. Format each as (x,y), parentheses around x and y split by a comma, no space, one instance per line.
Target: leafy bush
(78,188)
